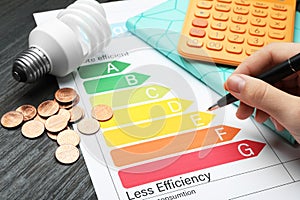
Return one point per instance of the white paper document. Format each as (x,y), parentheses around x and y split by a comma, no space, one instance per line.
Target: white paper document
(161,143)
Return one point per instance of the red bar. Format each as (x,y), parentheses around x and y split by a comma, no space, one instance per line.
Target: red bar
(190,162)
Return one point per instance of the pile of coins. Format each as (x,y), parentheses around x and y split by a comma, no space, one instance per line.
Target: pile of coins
(55,117)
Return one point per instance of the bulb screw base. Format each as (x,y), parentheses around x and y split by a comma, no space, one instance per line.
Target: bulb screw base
(30,65)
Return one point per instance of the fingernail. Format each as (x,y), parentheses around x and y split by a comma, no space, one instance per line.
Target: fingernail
(235,83)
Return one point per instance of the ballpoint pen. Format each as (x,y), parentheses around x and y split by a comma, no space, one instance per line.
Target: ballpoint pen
(272,76)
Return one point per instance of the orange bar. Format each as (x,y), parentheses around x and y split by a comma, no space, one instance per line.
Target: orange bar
(173,144)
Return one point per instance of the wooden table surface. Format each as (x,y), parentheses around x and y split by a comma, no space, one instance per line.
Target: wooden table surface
(28,168)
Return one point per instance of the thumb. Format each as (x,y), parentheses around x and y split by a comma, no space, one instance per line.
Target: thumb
(261,95)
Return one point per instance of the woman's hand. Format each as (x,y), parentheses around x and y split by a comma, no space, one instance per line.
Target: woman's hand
(280,102)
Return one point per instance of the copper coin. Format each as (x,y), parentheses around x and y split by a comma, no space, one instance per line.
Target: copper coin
(102,112)
(67,154)
(48,108)
(28,111)
(65,95)
(68,137)
(33,129)
(52,136)
(65,113)
(56,123)
(76,101)
(88,126)
(76,113)
(39,118)
(70,104)
(12,119)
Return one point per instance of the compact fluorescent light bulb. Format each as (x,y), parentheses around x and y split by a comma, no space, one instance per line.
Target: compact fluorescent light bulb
(60,45)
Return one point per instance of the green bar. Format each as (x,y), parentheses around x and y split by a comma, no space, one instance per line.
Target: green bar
(101,69)
(114,82)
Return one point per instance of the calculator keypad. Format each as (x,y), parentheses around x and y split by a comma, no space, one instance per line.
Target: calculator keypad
(230,30)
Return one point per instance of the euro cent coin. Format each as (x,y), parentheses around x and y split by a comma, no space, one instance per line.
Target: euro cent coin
(48,108)
(102,112)
(68,137)
(56,123)
(12,119)
(33,129)
(28,111)
(65,95)
(67,154)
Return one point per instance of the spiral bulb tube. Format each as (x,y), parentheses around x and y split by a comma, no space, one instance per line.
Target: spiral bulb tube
(60,45)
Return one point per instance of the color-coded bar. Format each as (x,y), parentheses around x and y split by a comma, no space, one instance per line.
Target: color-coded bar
(101,69)
(130,96)
(114,82)
(166,168)
(157,128)
(173,144)
(146,112)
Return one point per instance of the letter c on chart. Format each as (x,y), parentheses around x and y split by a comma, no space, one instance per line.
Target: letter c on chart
(148,90)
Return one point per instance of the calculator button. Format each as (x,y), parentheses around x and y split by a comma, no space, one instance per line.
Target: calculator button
(214,45)
(242,2)
(278,15)
(218,26)
(216,35)
(277,25)
(225,1)
(234,28)
(237,28)
(276,35)
(239,19)
(197,32)
(193,42)
(235,38)
(221,16)
(234,48)
(222,7)
(204,4)
(251,50)
(202,14)
(255,41)
(256,31)
(279,7)
(258,22)
(260,5)
(197,22)
(259,13)
(241,10)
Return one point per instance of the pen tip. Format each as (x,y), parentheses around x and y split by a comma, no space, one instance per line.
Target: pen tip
(213,107)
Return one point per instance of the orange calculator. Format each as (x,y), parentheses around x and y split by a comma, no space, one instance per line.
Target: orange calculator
(228,31)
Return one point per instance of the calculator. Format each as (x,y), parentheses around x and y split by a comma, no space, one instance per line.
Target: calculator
(228,31)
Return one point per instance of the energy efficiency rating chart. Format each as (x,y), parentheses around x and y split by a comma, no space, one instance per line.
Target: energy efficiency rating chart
(161,143)
(149,125)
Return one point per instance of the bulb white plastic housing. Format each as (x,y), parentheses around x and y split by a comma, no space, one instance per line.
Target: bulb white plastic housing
(60,45)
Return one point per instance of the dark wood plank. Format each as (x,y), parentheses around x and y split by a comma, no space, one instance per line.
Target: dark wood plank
(28,169)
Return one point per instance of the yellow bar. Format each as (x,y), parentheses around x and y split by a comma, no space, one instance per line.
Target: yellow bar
(157,128)
(130,96)
(146,112)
